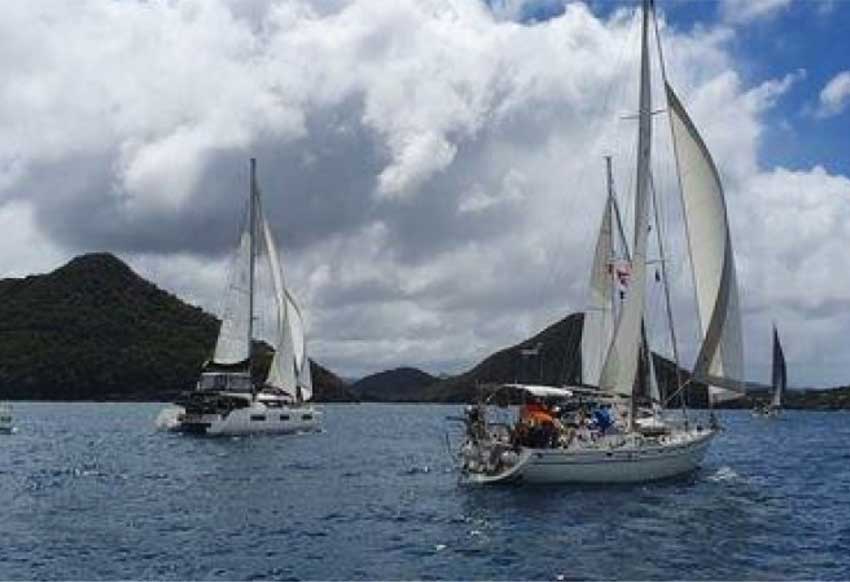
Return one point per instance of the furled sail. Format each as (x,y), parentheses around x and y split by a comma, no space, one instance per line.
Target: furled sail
(232,344)
(779,377)
(621,363)
(598,325)
(712,260)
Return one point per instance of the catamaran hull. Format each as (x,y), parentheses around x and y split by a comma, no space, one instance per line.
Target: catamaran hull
(619,465)
(250,421)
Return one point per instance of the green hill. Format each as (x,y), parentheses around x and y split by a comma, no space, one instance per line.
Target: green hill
(94,330)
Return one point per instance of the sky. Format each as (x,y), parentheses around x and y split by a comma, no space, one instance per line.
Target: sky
(433,169)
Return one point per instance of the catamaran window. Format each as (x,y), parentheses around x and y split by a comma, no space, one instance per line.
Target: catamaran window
(284,417)
(258,417)
(306,417)
(240,382)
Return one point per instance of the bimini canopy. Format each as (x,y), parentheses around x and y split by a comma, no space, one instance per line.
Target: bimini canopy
(541,391)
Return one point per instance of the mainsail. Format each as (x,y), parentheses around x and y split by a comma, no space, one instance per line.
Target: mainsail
(721,356)
(232,344)
(779,377)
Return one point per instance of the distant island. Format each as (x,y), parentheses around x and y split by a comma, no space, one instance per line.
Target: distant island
(95,330)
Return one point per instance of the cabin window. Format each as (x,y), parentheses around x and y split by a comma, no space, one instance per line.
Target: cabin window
(258,417)
(284,417)
(306,417)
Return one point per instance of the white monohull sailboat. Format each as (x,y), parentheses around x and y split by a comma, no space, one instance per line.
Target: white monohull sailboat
(620,442)
(226,399)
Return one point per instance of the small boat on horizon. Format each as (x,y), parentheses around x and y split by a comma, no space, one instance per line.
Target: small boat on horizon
(601,432)
(6,419)
(227,399)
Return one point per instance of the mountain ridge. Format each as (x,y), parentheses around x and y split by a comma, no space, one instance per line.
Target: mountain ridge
(93,329)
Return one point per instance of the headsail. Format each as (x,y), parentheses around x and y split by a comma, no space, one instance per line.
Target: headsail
(299,341)
(282,371)
(779,377)
(618,372)
(598,325)
(712,260)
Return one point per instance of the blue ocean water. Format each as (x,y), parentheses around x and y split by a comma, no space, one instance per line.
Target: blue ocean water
(93,491)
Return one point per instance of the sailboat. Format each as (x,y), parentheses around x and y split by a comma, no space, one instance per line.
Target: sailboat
(778,381)
(610,440)
(6,426)
(227,400)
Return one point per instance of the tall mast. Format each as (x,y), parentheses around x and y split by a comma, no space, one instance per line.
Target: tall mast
(609,210)
(252,231)
(644,153)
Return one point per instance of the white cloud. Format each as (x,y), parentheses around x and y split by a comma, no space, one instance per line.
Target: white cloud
(433,170)
(835,96)
(746,11)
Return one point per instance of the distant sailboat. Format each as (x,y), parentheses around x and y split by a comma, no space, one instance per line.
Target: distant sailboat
(6,422)
(226,400)
(619,445)
(778,380)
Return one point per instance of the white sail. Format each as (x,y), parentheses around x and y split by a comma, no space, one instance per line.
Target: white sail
(712,261)
(618,372)
(779,377)
(299,342)
(232,344)
(282,371)
(598,327)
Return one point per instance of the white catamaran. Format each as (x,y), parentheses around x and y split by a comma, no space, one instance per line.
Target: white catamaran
(609,438)
(226,400)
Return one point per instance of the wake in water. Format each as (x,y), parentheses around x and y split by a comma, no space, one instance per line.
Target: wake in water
(724,473)
(167,419)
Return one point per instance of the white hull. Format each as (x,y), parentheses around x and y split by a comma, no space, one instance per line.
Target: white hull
(631,462)
(254,419)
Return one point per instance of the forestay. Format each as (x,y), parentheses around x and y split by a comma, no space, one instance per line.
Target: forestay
(712,259)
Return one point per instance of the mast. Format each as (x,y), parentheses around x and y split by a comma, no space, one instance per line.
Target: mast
(621,364)
(643,164)
(609,209)
(252,231)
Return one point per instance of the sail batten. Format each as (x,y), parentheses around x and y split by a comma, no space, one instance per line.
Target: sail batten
(712,259)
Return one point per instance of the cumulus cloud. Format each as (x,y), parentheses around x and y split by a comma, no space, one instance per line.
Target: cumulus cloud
(835,96)
(433,169)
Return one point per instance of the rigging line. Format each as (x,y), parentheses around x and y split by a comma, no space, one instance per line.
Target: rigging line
(665,281)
